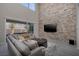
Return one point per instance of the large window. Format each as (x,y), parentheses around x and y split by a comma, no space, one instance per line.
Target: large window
(19,27)
(15,27)
(30,6)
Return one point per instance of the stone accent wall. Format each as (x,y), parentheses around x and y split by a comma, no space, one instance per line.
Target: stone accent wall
(64,15)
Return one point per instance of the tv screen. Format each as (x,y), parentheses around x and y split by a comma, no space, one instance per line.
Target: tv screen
(50,28)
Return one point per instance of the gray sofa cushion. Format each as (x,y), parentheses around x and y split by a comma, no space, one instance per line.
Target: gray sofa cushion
(23,49)
(40,51)
(32,44)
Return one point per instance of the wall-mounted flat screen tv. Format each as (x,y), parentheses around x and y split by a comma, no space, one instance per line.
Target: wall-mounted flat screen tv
(50,28)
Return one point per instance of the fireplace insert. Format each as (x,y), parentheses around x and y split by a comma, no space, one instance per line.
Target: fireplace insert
(72,42)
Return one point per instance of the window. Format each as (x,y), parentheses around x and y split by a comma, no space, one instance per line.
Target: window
(15,27)
(19,27)
(30,6)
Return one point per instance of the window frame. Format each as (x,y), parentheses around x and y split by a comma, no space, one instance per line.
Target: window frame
(28,5)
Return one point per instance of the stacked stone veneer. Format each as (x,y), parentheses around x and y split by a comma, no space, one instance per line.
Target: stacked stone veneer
(64,15)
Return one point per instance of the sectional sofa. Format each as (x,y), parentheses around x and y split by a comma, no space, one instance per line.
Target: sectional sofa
(22,48)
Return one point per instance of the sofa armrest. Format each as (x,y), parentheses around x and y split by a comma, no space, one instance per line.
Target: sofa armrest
(12,49)
(39,51)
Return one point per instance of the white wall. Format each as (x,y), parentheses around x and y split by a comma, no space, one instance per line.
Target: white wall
(77,8)
(16,12)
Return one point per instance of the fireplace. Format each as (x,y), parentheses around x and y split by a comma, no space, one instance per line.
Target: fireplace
(72,42)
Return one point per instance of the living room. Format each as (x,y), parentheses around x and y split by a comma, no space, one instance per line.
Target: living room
(51,25)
